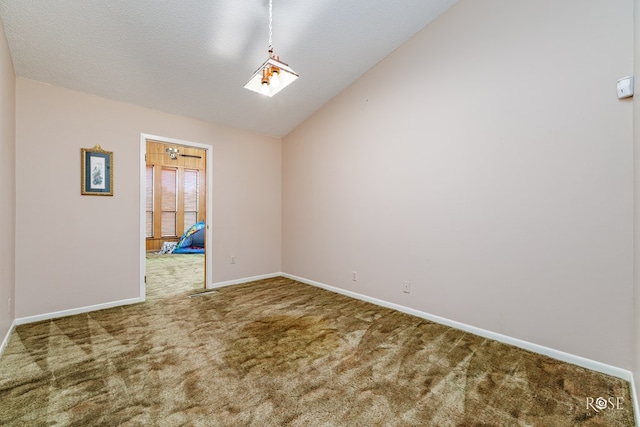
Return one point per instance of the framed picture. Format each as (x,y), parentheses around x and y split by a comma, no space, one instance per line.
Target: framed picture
(96,171)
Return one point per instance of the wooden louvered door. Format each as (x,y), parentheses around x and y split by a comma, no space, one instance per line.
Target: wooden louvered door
(175,192)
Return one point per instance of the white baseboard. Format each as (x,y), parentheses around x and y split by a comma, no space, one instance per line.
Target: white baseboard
(536,348)
(556,354)
(243,280)
(71,312)
(5,341)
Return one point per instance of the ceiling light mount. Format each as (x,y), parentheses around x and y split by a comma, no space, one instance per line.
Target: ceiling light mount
(273,75)
(172,152)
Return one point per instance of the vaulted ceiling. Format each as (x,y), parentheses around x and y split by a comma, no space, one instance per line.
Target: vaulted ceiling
(193,57)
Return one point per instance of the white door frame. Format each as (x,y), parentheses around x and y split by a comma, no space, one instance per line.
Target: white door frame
(143,195)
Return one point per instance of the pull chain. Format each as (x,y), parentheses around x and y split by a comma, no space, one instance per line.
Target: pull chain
(270,26)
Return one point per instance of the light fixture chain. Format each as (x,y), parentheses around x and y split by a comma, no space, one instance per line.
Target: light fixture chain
(270,25)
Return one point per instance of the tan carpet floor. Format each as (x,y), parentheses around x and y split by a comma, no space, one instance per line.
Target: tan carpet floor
(281,353)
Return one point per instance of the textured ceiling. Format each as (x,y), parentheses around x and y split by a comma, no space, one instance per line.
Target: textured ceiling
(193,57)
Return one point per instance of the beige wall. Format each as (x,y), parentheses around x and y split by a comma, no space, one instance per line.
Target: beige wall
(489,162)
(7,185)
(76,251)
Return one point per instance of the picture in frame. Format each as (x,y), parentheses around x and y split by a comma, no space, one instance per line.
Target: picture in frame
(96,171)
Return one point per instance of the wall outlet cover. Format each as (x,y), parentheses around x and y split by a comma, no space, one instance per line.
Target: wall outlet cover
(625,87)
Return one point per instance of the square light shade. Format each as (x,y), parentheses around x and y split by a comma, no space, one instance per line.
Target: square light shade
(285,76)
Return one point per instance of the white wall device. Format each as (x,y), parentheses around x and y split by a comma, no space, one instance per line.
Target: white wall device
(625,87)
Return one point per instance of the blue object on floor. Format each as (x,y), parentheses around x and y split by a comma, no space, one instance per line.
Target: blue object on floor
(192,241)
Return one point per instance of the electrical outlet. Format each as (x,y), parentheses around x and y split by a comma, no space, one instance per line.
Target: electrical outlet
(233,260)
(9,306)
(354,276)
(406,287)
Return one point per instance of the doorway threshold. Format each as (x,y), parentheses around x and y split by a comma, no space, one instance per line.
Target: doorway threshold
(199,294)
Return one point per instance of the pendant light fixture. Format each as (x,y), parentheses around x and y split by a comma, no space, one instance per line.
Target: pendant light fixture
(273,75)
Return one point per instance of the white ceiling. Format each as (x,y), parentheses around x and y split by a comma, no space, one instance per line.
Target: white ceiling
(193,57)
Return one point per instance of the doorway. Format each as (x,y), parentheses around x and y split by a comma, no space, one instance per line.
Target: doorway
(175,193)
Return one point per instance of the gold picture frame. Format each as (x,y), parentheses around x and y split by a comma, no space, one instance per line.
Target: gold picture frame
(96,175)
